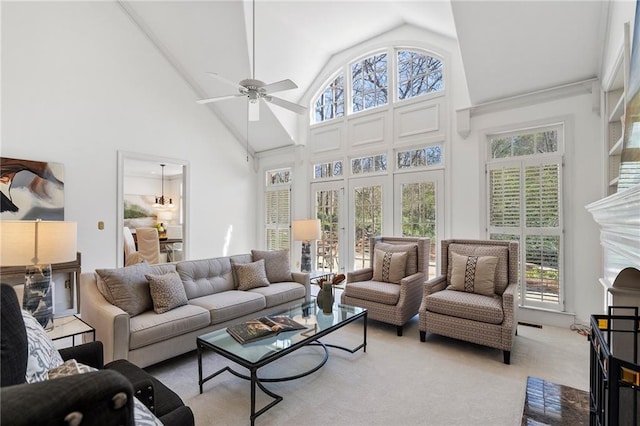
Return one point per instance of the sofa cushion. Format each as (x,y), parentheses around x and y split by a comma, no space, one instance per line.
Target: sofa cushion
(279,293)
(389,267)
(410,249)
(276,263)
(149,327)
(206,276)
(473,274)
(501,252)
(471,306)
(167,291)
(232,304)
(374,291)
(250,275)
(128,288)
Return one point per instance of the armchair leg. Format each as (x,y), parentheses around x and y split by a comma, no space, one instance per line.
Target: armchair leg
(423,336)
(399,330)
(507,357)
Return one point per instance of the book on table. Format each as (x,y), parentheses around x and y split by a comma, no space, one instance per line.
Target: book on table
(262,328)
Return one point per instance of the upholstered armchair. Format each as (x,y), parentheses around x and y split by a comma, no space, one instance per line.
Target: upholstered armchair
(475,297)
(391,288)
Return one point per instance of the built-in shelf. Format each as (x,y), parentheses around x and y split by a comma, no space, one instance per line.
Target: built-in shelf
(617,110)
(614,181)
(616,149)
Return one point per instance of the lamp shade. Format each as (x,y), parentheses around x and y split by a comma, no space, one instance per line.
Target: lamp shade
(37,242)
(306,230)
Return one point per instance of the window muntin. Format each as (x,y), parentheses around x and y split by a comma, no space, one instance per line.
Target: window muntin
(369,83)
(371,164)
(330,103)
(421,157)
(524,143)
(418,74)
(327,170)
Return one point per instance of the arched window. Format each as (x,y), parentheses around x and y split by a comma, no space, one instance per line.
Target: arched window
(418,74)
(369,82)
(330,103)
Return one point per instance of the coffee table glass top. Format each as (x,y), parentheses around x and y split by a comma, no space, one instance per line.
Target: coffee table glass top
(308,314)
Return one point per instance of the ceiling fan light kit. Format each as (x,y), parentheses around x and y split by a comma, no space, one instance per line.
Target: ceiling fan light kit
(254,89)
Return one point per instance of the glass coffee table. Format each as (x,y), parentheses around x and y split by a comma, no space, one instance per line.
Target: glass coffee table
(257,354)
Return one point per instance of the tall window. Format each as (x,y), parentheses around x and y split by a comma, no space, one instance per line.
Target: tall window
(278,209)
(367,223)
(330,103)
(524,184)
(418,74)
(369,82)
(328,247)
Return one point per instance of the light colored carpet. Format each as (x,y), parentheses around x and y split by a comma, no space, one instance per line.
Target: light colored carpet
(398,381)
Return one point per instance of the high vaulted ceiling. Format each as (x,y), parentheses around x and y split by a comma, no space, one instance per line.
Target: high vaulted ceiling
(508,47)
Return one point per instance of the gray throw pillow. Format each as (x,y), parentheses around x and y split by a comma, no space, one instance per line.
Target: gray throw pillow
(250,275)
(128,288)
(276,264)
(167,291)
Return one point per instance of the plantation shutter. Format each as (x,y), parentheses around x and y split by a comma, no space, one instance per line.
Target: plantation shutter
(278,218)
(504,197)
(542,183)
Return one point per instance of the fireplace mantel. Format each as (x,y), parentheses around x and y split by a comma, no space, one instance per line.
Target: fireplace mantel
(618,216)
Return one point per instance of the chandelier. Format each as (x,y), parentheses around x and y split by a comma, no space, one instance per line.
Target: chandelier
(161,201)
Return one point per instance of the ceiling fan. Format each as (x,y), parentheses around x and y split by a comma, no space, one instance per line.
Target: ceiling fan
(254,89)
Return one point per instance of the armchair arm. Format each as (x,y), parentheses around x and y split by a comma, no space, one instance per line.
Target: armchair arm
(411,289)
(360,275)
(510,309)
(90,354)
(110,322)
(435,284)
(303,278)
(101,397)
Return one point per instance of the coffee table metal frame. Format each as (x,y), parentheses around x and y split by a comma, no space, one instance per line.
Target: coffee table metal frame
(253,367)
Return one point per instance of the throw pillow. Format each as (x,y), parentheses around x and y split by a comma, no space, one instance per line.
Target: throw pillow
(389,267)
(251,275)
(167,291)
(43,354)
(411,250)
(69,368)
(276,264)
(473,274)
(128,288)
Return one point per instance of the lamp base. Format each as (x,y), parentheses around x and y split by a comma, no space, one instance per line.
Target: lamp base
(305,259)
(38,294)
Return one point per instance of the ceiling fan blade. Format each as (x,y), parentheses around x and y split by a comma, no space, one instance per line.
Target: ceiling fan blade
(279,86)
(298,109)
(227,82)
(218,98)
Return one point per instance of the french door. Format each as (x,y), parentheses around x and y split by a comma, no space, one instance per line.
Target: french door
(328,205)
(419,209)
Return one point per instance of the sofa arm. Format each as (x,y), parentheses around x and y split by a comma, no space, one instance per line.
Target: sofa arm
(100,397)
(91,354)
(110,322)
(360,275)
(435,284)
(303,278)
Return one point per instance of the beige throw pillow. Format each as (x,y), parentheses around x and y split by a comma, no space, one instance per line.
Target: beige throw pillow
(276,264)
(167,291)
(251,275)
(473,274)
(412,254)
(389,267)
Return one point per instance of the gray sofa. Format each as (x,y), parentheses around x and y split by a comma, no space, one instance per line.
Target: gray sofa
(215,300)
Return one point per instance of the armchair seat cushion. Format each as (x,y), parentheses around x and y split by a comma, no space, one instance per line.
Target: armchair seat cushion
(471,306)
(374,291)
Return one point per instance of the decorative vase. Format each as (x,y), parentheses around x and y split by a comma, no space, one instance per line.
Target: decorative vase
(326,295)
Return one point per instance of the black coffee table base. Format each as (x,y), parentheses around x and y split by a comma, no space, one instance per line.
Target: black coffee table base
(253,369)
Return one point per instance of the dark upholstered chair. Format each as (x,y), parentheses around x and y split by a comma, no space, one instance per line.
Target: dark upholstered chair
(104,397)
(488,320)
(385,301)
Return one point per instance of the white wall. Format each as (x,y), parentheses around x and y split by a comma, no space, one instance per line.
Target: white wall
(79,83)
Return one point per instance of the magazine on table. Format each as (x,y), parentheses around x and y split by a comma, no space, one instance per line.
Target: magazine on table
(263,327)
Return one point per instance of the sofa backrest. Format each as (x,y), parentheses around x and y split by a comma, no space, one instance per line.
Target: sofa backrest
(209,276)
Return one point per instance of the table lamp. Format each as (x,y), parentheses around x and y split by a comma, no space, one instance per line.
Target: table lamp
(305,231)
(37,244)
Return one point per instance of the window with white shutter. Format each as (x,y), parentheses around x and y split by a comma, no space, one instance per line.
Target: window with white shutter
(278,210)
(524,187)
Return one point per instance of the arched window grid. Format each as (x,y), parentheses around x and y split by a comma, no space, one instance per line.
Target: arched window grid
(430,82)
